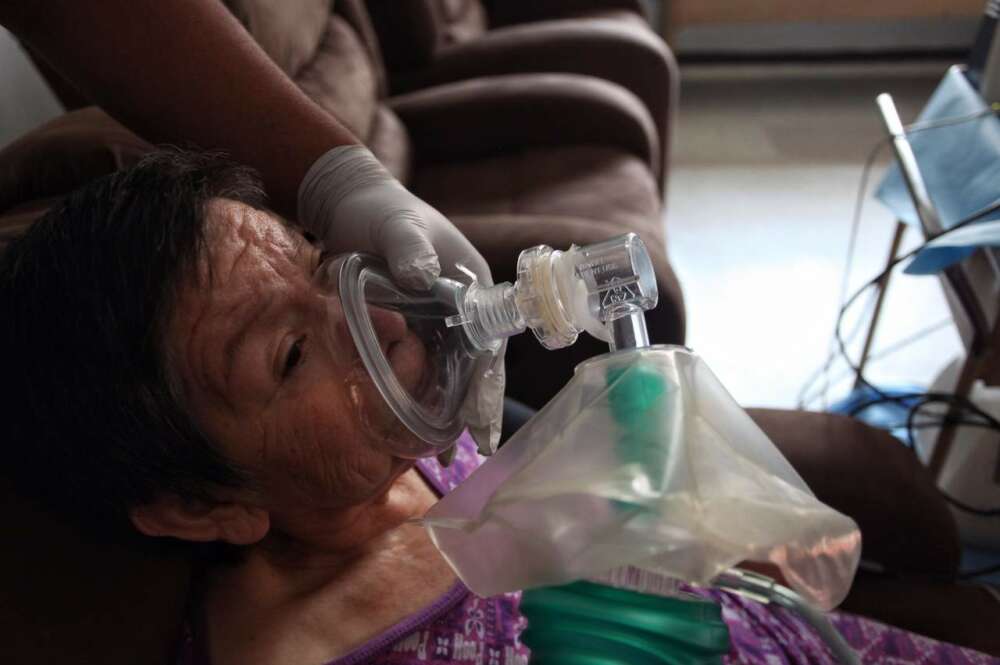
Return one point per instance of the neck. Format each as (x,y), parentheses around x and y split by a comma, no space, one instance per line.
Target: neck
(314,547)
(324,583)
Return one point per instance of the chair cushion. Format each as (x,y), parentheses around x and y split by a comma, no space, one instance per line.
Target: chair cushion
(412,31)
(390,142)
(600,183)
(869,475)
(63,154)
(334,58)
(289,31)
(340,78)
(462,20)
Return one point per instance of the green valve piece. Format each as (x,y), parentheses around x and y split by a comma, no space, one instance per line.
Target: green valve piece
(591,624)
(638,402)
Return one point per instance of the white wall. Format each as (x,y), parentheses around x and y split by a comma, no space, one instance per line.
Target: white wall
(25,99)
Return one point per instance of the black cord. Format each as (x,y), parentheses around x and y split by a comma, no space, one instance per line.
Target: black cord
(976,216)
(823,371)
(924,399)
(951,399)
(875,355)
(912,128)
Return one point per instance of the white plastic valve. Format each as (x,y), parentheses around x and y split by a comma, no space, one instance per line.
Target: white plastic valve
(602,288)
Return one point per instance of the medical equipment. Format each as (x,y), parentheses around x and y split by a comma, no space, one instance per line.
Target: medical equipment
(348,199)
(641,468)
(968,473)
(601,288)
(642,460)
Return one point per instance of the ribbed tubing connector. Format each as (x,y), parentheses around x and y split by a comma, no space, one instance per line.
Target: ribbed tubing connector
(492,315)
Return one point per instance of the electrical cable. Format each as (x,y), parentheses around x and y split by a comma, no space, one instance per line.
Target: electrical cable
(951,399)
(974,217)
(855,224)
(909,339)
(805,400)
(915,127)
(875,356)
(859,204)
(991,423)
(923,399)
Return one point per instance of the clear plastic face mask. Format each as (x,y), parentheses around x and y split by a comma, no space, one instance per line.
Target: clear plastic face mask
(416,352)
(411,370)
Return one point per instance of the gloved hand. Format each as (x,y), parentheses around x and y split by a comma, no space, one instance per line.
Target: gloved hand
(352,203)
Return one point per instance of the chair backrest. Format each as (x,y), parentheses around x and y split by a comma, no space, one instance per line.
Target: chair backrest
(413,31)
(330,50)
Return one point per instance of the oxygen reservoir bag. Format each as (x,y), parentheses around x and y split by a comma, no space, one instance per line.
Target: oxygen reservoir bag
(642,460)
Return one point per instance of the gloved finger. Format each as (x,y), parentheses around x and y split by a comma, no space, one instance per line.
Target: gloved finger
(445,458)
(454,249)
(403,240)
(482,409)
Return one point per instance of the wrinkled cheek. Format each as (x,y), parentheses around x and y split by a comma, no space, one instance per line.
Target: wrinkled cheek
(341,455)
(373,415)
(378,425)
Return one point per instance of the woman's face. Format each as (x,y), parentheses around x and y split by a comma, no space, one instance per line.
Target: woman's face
(268,369)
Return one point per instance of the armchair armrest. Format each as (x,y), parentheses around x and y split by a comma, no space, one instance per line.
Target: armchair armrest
(505,12)
(625,54)
(482,117)
(63,154)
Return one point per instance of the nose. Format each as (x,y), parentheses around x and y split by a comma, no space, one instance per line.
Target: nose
(390,327)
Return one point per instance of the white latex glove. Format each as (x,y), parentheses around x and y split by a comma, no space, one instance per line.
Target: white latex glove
(353,204)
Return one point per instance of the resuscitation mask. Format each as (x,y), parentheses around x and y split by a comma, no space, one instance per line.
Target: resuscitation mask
(642,462)
(419,349)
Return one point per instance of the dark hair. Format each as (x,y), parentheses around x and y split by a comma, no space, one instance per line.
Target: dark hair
(91,425)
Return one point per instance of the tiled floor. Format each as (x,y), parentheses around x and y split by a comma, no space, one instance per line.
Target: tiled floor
(765,170)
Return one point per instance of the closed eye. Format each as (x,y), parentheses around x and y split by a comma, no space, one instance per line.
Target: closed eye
(293,358)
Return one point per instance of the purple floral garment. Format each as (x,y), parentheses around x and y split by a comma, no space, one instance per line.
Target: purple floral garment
(771,635)
(463,628)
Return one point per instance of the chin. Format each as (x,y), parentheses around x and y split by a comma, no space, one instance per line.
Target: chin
(399,467)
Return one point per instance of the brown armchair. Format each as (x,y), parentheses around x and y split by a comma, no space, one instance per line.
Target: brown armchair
(514,161)
(430,42)
(66,595)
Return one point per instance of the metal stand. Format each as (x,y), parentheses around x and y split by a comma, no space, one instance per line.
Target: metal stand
(883,286)
(982,337)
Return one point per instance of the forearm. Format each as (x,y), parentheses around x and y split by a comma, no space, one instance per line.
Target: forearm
(183,71)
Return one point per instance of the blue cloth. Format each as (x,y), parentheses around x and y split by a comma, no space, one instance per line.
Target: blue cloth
(960,165)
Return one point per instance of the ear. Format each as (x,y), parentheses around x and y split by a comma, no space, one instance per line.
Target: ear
(235,522)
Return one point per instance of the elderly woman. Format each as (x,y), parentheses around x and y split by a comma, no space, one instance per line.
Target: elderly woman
(179,373)
(190,386)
